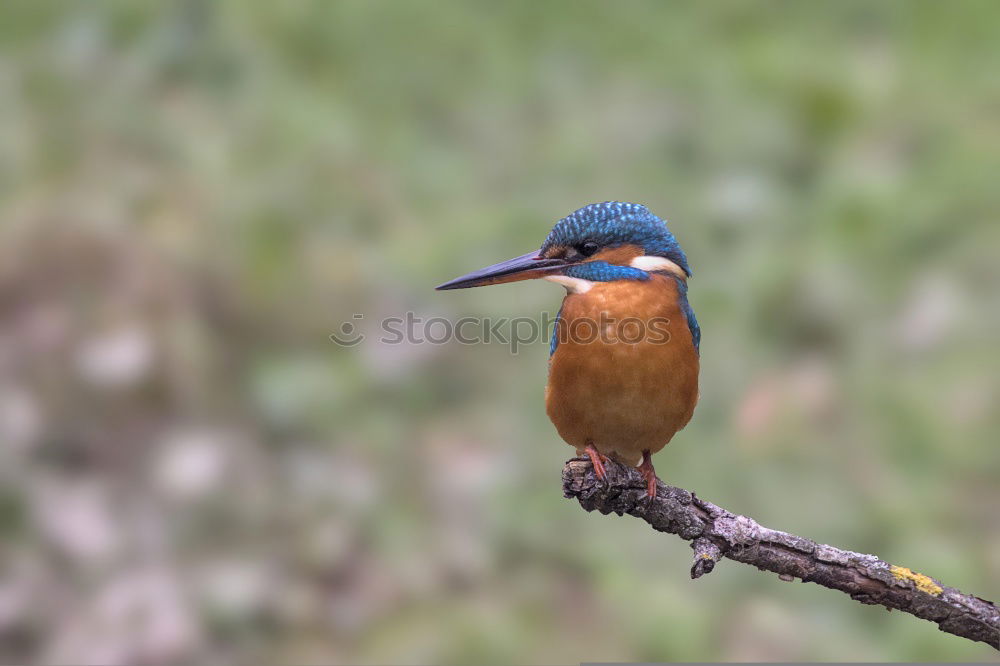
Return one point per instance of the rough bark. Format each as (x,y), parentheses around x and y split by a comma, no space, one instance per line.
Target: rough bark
(716,533)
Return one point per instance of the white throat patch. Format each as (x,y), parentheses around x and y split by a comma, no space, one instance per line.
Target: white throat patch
(573,285)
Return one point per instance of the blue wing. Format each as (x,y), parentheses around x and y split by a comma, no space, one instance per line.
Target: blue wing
(682,290)
(554,341)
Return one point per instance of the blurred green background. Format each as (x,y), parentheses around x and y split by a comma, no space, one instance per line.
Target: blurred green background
(195,195)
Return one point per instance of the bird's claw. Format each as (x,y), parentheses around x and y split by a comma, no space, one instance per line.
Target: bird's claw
(598,460)
(649,474)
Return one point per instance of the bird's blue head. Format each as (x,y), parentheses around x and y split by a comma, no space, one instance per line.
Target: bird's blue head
(612,225)
(610,240)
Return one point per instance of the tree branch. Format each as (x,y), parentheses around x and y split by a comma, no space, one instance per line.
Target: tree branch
(716,533)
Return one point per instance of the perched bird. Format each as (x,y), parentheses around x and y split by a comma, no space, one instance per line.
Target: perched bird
(624,356)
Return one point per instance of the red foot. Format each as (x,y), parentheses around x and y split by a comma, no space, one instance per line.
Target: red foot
(597,459)
(648,473)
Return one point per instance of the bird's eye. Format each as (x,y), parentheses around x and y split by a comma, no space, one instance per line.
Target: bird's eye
(588,248)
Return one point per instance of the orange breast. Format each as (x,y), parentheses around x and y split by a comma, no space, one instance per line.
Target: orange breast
(625,373)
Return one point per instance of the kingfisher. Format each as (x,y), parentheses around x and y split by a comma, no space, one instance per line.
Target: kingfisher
(625,349)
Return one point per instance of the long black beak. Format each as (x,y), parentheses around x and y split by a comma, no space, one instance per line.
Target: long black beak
(526,267)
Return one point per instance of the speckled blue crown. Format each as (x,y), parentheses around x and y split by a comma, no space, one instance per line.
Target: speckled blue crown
(618,223)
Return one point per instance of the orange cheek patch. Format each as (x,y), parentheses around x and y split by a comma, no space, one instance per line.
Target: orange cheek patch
(621,255)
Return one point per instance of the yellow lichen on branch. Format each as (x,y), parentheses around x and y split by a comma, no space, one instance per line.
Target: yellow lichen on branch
(923,583)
